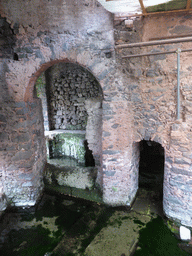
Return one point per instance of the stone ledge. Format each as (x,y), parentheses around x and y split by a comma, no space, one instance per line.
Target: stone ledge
(90,195)
(77,177)
(55,132)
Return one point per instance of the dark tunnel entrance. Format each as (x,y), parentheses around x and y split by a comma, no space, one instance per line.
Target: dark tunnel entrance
(151,167)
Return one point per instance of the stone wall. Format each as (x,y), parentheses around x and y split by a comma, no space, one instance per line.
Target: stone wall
(78,32)
(68,86)
(119,177)
(139,99)
(23,153)
(153,93)
(7,40)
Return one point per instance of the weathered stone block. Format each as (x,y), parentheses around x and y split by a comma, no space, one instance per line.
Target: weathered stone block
(77,177)
(106,134)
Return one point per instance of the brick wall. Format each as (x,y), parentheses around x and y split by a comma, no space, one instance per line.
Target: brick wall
(22,152)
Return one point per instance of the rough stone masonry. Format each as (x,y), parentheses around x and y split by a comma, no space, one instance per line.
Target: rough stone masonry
(139,98)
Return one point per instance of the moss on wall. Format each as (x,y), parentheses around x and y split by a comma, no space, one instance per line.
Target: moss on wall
(67,144)
(40,86)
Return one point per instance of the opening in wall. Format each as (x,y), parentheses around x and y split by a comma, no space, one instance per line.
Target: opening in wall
(71,101)
(151,167)
(64,89)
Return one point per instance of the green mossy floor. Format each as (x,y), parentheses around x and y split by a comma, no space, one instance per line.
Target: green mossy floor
(157,239)
(37,231)
(61,225)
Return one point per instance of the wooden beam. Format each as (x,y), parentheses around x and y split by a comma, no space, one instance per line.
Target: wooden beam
(188,6)
(151,14)
(169,37)
(142,7)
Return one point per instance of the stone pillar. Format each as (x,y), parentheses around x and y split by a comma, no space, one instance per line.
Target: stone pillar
(120,177)
(24,153)
(178,175)
(94,133)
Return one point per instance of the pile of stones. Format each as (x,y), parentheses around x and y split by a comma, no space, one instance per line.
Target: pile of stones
(69,91)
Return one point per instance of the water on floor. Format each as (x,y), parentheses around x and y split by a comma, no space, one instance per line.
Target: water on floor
(61,225)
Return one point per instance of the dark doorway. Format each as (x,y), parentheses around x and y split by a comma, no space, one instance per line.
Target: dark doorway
(89,159)
(151,167)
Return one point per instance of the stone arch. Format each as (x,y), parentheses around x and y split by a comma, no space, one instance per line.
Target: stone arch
(86,47)
(93,106)
(69,87)
(116,115)
(29,92)
(151,167)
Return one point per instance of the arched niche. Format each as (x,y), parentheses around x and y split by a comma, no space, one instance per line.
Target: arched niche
(72,109)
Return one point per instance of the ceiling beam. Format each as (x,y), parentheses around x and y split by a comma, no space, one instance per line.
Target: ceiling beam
(169,37)
(142,7)
(150,14)
(188,4)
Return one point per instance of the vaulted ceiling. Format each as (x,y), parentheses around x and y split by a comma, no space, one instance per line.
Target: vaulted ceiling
(146,7)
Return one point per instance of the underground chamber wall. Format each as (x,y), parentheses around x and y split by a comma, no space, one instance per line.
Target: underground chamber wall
(151,166)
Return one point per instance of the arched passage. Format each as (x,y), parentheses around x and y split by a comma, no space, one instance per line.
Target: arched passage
(151,167)
(72,109)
